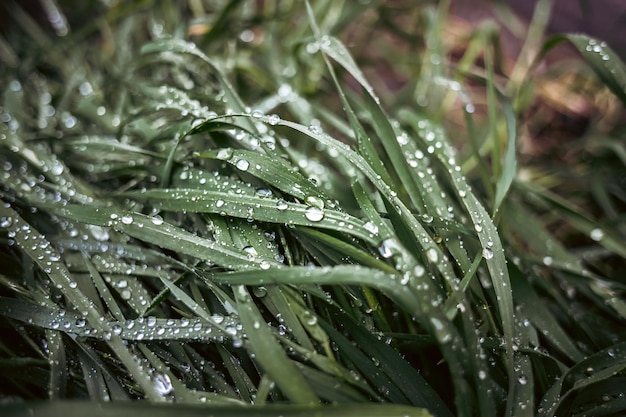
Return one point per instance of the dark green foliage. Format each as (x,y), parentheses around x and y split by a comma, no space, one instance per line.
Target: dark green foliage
(208,204)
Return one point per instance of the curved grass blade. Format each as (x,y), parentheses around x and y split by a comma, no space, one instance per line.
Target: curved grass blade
(598,367)
(144,409)
(600,57)
(534,309)
(273,171)
(265,209)
(162,234)
(40,251)
(269,354)
(509,163)
(215,327)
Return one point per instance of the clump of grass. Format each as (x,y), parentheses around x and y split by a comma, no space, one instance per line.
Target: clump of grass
(215,208)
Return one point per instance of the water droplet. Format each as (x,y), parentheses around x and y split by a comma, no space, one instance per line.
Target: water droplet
(265,265)
(219,203)
(224,154)
(242,165)
(427,218)
(162,383)
(127,219)
(314,214)
(273,119)
(419,271)
(251,251)
(432,255)
(436,323)
(478,228)
(371,227)
(522,379)
(157,220)
(597,234)
(281,205)
(385,248)
(316,129)
(314,201)
(312,47)
(487,253)
(73,284)
(547,260)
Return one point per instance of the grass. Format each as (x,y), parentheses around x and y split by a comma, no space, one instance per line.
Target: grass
(221,207)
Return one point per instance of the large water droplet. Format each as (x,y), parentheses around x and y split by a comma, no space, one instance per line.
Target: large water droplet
(371,227)
(273,119)
(385,248)
(487,253)
(596,234)
(281,205)
(314,214)
(162,383)
(127,219)
(432,255)
(224,154)
(242,164)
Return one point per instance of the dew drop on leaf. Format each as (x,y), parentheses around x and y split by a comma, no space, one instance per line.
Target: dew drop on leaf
(385,248)
(432,255)
(162,383)
(596,234)
(273,119)
(371,227)
(281,205)
(127,219)
(224,154)
(314,214)
(242,165)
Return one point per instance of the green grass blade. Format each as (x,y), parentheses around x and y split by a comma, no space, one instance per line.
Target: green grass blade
(509,163)
(601,58)
(142,409)
(264,209)
(162,234)
(268,353)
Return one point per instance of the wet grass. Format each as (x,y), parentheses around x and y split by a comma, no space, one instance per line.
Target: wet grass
(234,210)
